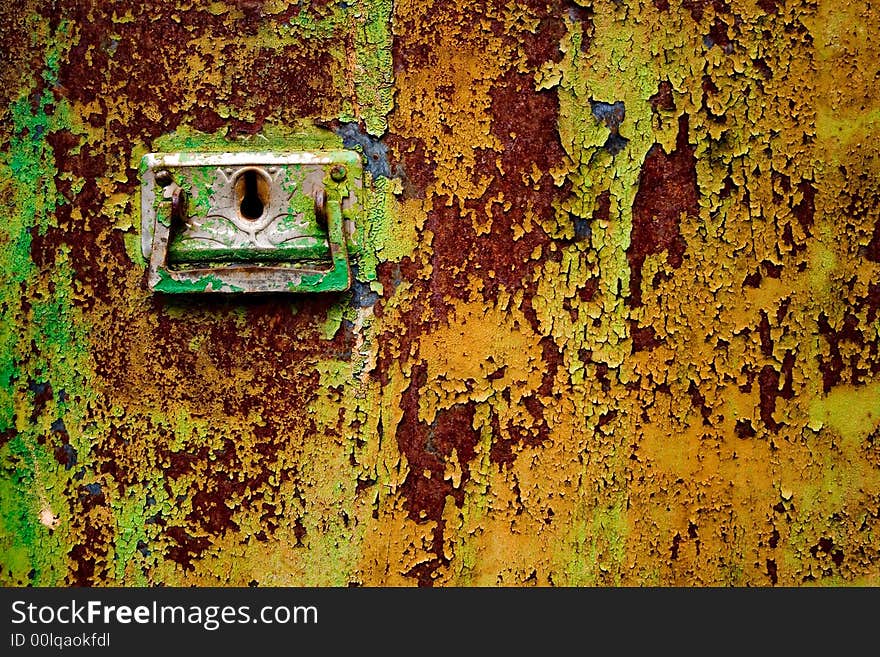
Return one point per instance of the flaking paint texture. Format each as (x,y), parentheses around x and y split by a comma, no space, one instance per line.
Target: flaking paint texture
(615,319)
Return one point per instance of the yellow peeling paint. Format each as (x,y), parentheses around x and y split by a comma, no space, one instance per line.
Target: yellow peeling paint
(477,343)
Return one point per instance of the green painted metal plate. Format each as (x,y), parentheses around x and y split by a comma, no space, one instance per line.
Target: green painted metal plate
(250,221)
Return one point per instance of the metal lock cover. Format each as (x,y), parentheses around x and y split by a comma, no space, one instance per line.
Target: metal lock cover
(250,221)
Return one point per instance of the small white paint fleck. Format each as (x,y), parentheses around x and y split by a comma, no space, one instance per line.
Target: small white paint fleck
(48,518)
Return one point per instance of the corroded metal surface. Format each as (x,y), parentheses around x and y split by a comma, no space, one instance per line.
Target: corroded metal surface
(614,318)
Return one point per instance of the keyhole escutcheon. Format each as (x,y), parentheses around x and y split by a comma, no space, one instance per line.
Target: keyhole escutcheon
(252,192)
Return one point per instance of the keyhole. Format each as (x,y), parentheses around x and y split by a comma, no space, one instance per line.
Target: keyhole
(251,204)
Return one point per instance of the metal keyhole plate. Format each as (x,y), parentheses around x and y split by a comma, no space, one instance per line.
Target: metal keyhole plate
(250,221)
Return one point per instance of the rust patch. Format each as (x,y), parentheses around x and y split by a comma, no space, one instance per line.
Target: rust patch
(698,401)
(833,366)
(501,452)
(764,333)
(412,164)
(806,209)
(770,6)
(644,338)
(544,46)
(825,546)
(663,99)
(698,7)
(185,547)
(427,449)
(667,190)
(718,36)
(83,572)
(769,390)
(768,382)
(872,252)
(744,429)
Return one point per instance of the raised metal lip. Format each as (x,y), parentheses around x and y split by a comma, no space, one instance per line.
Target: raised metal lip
(244,158)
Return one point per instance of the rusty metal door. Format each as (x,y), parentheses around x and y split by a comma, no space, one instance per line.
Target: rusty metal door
(612,315)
